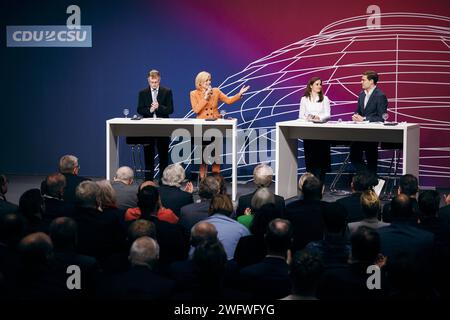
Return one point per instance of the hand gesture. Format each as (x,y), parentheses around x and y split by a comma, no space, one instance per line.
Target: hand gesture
(247,211)
(208,93)
(189,187)
(357,117)
(244,90)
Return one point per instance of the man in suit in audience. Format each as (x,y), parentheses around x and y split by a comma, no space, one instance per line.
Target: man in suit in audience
(372,104)
(53,194)
(269,279)
(70,168)
(407,248)
(306,214)
(125,187)
(361,182)
(409,186)
(141,281)
(197,211)
(262,178)
(5,206)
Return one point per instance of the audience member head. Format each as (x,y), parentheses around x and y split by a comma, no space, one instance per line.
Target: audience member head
(365,245)
(69,164)
(144,252)
(334,217)
(370,204)
(306,270)
(262,175)
(278,237)
(173,175)
(210,261)
(408,185)
(261,218)
(222,204)
(148,201)
(262,197)
(312,189)
(125,175)
(55,184)
(106,195)
(302,180)
(141,228)
(401,207)
(31,204)
(208,187)
(87,195)
(221,180)
(362,181)
(11,228)
(63,232)
(203,231)
(429,203)
(35,250)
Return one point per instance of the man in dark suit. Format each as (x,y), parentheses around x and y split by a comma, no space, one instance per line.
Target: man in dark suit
(155,101)
(372,104)
(262,178)
(70,168)
(5,206)
(269,279)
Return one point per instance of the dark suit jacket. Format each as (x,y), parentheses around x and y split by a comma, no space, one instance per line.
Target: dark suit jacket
(250,250)
(353,206)
(246,200)
(138,283)
(193,213)
(403,243)
(174,198)
(72,182)
(164,98)
(55,208)
(307,222)
(268,279)
(376,106)
(444,213)
(387,216)
(7,207)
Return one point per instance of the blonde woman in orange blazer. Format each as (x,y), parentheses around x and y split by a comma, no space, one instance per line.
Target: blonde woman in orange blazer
(205,103)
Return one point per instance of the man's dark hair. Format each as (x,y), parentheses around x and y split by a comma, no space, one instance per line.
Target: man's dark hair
(147,201)
(335,218)
(11,228)
(30,203)
(208,188)
(210,261)
(401,207)
(371,75)
(306,270)
(363,180)
(141,228)
(429,203)
(63,232)
(312,189)
(278,237)
(54,185)
(365,245)
(35,250)
(408,184)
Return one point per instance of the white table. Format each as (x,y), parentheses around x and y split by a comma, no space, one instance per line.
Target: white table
(149,127)
(287,133)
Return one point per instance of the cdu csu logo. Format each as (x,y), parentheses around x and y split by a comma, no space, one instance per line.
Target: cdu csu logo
(73,34)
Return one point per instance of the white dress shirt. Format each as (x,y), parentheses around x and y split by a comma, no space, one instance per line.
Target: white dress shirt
(320,109)
(367,97)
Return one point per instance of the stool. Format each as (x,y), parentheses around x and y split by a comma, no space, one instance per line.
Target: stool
(392,174)
(340,171)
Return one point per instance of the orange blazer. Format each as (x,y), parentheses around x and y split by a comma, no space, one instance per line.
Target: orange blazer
(208,109)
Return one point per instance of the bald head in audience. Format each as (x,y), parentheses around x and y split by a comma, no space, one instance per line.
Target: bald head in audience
(144,252)
(203,231)
(35,249)
(55,184)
